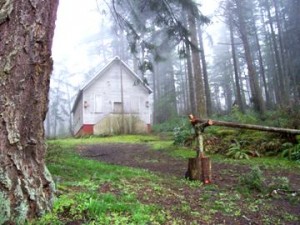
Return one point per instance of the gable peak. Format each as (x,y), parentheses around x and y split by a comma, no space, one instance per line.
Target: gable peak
(117,58)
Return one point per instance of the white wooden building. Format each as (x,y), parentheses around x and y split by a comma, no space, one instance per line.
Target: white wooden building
(114,101)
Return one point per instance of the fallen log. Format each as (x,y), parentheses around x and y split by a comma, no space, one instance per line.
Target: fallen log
(252,127)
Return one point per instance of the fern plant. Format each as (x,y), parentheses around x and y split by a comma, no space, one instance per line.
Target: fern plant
(235,151)
(295,155)
(292,152)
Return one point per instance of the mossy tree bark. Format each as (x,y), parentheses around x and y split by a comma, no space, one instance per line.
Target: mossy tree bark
(26,28)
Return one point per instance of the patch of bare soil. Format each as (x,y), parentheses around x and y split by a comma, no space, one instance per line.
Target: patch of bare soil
(135,155)
(225,177)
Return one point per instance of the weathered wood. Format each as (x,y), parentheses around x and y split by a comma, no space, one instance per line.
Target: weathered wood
(252,127)
(206,170)
(111,104)
(194,169)
(199,168)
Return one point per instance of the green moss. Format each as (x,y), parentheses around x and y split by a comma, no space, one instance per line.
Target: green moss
(5,10)
(2,79)
(31,192)
(22,211)
(4,179)
(49,178)
(11,123)
(4,208)
(51,184)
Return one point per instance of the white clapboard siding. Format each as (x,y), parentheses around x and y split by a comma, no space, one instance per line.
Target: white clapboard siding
(113,87)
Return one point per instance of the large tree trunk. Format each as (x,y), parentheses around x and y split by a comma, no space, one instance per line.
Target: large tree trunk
(199,84)
(183,88)
(205,73)
(235,67)
(255,89)
(26,28)
(190,77)
(292,48)
(271,64)
(280,76)
(261,67)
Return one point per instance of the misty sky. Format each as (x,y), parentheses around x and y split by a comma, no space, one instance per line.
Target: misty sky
(77,20)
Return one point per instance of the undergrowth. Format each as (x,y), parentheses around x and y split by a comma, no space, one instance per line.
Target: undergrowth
(241,143)
(256,181)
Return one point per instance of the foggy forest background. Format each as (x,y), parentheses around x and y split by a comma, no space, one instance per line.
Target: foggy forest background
(253,68)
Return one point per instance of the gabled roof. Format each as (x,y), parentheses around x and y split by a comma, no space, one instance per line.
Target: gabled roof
(102,72)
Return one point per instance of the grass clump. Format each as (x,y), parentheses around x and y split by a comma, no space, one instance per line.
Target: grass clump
(282,183)
(254,180)
(55,153)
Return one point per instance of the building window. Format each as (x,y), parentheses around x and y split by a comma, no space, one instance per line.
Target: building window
(98,104)
(117,107)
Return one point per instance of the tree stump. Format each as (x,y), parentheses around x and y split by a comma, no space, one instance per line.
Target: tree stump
(199,169)
(194,169)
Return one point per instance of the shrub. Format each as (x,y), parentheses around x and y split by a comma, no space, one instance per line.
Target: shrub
(181,134)
(169,125)
(253,180)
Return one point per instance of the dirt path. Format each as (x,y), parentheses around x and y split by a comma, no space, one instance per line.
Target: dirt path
(225,178)
(135,155)
(141,156)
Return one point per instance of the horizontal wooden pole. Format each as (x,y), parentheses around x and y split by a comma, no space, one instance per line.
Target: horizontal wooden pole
(252,127)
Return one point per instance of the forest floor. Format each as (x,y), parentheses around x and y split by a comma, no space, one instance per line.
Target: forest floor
(225,201)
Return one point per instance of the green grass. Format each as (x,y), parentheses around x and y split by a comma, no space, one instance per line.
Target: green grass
(99,193)
(78,181)
(182,152)
(71,142)
(162,145)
